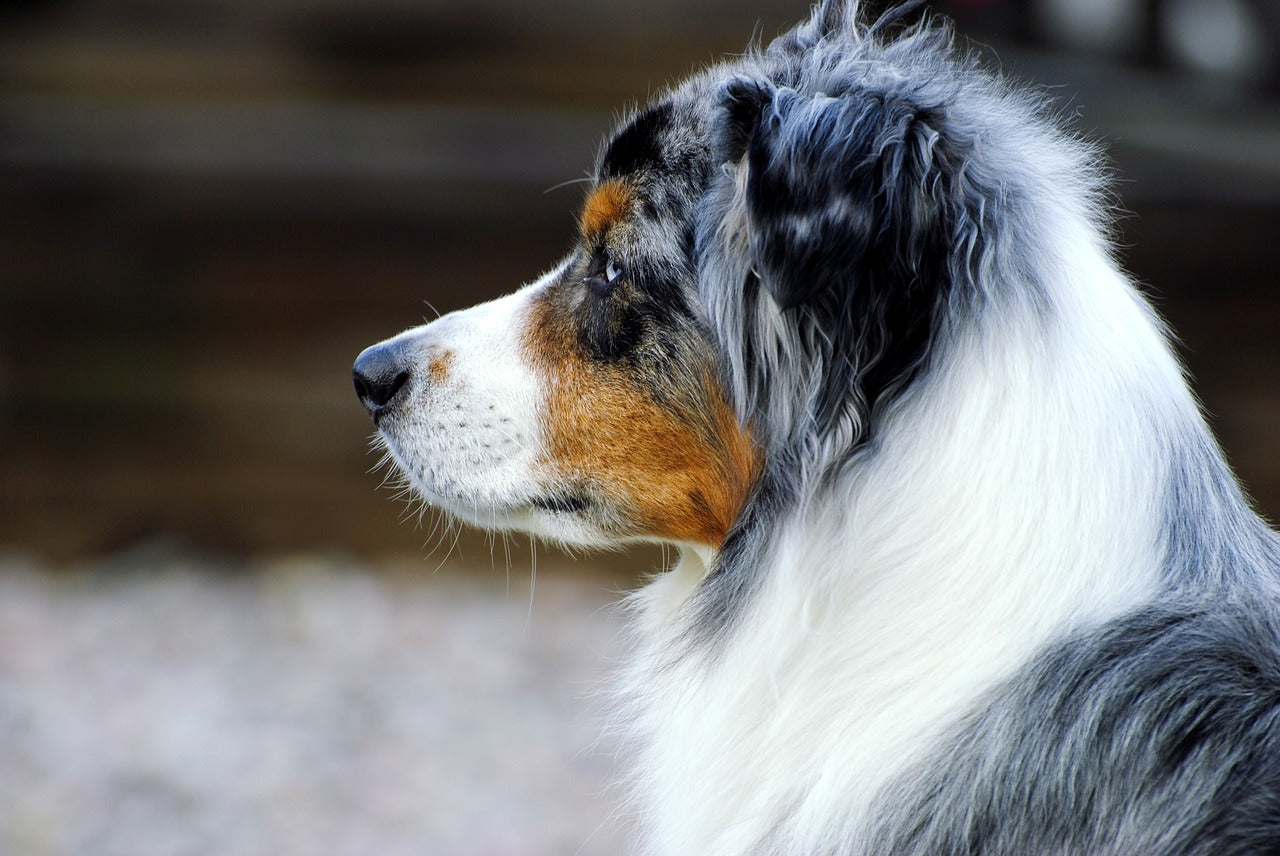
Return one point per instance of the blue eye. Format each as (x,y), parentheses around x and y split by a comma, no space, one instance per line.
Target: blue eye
(604,275)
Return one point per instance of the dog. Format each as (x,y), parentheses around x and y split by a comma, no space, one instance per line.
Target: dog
(961,568)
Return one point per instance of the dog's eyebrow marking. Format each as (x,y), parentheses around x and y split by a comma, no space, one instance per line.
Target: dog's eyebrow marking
(607,204)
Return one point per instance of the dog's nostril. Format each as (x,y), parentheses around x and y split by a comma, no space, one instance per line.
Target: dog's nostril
(389,391)
(378,376)
(377,391)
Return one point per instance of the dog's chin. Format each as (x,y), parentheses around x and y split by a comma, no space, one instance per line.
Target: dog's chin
(548,518)
(570,519)
(496,516)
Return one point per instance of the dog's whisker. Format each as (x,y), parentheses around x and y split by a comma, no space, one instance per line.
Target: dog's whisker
(432,307)
(586,179)
(533,583)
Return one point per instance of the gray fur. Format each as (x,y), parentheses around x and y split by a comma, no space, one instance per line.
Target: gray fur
(1157,733)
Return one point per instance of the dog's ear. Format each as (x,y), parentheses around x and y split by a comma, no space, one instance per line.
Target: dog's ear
(861,224)
(743,100)
(841,191)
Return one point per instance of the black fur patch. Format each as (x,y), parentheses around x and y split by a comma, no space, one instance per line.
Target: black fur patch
(848,204)
(634,320)
(610,326)
(637,147)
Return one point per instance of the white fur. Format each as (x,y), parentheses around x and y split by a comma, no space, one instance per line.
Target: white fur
(472,443)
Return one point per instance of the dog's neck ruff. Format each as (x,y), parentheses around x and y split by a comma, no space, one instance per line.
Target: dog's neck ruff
(1012,497)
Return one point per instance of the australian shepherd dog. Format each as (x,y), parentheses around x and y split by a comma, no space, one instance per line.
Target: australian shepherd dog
(961,568)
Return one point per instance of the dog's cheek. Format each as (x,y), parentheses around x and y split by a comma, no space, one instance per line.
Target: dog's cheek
(664,475)
(610,332)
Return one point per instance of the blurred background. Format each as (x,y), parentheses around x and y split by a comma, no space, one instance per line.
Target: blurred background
(217,635)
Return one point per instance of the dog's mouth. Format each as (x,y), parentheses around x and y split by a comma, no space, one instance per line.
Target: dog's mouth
(485,511)
(562,504)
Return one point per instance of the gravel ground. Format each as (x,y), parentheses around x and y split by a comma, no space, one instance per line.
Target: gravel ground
(156,704)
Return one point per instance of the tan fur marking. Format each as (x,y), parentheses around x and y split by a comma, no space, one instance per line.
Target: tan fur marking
(681,477)
(439,367)
(606,205)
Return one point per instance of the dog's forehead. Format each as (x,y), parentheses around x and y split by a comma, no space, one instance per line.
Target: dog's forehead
(641,144)
(663,146)
(650,176)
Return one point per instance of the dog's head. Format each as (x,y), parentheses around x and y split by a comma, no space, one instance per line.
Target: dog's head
(588,406)
(765,256)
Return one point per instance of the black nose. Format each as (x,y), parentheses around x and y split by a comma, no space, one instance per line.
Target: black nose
(379,374)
